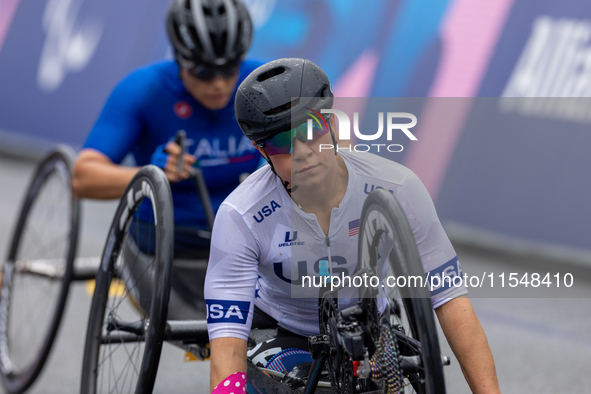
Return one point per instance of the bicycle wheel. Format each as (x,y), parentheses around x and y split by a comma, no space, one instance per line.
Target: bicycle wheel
(38,272)
(416,351)
(129,306)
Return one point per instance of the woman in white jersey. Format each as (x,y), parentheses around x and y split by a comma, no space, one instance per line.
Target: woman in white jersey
(300,209)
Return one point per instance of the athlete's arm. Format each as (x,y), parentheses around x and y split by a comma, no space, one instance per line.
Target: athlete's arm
(228,355)
(453,308)
(118,131)
(469,344)
(96,176)
(230,285)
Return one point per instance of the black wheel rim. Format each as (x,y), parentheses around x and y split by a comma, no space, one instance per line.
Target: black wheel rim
(383,219)
(129,306)
(38,272)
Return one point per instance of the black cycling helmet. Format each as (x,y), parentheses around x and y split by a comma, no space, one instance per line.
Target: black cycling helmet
(212,34)
(264,99)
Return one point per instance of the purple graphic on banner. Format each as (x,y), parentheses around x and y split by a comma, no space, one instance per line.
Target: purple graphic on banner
(515,167)
(7,9)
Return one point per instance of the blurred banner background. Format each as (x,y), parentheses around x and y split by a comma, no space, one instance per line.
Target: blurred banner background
(506,168)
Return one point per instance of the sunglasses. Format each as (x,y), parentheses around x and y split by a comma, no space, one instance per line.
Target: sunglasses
(283,142)
(209,74)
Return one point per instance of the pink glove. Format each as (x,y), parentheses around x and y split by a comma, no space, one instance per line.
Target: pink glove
(233,384)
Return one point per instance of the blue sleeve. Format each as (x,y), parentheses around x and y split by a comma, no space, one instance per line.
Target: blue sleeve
(120,124)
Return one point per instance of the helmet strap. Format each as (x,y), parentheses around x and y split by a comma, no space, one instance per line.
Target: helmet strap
(334,140)
(285,183)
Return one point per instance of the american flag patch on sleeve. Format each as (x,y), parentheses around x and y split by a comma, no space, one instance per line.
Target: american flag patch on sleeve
(353,227)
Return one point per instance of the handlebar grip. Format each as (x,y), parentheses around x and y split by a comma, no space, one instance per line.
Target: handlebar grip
(181,140)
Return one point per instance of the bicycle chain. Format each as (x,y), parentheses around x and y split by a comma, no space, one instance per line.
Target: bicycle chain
(385,363)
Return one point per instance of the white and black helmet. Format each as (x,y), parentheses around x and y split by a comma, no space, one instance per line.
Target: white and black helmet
(210,34)
(264,105)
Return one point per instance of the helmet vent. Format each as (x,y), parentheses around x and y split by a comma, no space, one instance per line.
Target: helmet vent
(283,108)
(270,74)
(218,41)
(244,125)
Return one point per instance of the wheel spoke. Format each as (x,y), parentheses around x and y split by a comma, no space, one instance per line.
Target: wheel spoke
(123,323)
(404,337)
(36,289)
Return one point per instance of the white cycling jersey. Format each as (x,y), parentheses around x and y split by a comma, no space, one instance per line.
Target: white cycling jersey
(263,243)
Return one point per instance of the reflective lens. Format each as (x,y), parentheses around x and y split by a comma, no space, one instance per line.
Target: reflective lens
(282,143)
(208,74)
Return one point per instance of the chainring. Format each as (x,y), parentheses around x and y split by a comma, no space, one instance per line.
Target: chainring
(340,367)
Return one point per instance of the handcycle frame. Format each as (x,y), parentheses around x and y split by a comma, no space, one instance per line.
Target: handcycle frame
(57,163)
(105,327)
(76,268)
(322,346)
(195,332)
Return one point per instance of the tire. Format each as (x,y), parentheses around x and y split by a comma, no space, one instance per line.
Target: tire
(383,220)
(130,302)
(38,271)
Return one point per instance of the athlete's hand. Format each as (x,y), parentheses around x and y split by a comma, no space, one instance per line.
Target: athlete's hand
(172,161)
(170,165)
(167,158)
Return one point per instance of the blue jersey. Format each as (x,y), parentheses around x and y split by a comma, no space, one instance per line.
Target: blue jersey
(147,109)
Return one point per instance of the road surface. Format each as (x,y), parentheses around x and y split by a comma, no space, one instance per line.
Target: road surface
(539,345)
